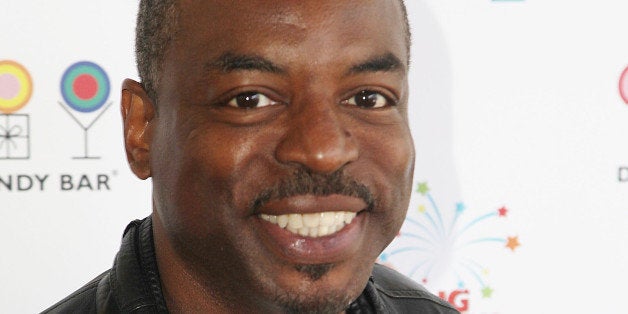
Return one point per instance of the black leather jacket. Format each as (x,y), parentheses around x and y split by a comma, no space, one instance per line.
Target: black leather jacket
(132,285)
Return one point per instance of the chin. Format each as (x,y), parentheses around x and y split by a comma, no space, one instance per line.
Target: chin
(320,288)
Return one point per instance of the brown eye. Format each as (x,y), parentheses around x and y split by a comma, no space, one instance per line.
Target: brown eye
(368,99)
(250,100)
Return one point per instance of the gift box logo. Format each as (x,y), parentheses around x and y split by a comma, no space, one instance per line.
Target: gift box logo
(85,89)
(14,136)
(16,88)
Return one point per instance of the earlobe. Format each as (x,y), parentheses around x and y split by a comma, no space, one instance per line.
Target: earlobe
(137,116)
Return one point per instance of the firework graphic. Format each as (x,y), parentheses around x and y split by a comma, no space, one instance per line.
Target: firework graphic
(447,249)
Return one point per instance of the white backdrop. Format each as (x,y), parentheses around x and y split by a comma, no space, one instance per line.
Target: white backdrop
(521,203)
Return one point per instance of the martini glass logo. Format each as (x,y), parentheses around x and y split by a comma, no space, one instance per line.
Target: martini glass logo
(85,89)
(16,88)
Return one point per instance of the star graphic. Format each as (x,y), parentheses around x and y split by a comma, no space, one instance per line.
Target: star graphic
(487,292)
(421,208)
(423,188)
(424,281)
(513,243)
(503,211)
(460,207)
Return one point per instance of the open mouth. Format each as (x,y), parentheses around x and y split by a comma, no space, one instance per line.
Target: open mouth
(314,225)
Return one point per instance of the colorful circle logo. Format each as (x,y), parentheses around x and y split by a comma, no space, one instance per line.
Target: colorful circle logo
(85,86)
(623,85)
(16,86)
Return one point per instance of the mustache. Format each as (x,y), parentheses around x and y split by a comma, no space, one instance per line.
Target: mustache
(303,182)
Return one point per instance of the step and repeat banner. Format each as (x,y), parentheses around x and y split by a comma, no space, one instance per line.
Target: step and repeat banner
(518,110)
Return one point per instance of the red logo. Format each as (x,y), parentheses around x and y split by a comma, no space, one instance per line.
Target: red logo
(458,298)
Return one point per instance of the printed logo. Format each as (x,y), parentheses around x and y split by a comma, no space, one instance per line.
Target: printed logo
(85,89)
(446,250)
(622,172)
(623,85)
(16,88)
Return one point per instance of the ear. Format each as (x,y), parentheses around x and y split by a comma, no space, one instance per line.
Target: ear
(137,115)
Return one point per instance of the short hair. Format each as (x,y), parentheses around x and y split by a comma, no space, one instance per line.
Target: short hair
(157,26)
(155,29)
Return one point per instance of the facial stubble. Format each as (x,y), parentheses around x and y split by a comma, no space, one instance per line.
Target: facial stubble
(304,182)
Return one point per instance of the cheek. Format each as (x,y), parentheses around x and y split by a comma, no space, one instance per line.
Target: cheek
(227,164)
(191,167)
(401,169)
(391,153)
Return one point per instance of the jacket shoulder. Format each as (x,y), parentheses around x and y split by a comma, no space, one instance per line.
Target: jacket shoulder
(403,295)
(82,300)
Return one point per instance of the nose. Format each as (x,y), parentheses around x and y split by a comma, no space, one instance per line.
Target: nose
(318,139)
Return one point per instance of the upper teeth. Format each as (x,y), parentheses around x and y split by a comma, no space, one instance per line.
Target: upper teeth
(311,225)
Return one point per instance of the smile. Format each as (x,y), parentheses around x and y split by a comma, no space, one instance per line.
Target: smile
(312,225)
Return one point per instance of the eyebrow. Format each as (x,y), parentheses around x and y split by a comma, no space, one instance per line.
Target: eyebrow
(384,63)
(231,62)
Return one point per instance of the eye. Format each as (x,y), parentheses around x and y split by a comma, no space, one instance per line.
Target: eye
(368,99)
(250,100)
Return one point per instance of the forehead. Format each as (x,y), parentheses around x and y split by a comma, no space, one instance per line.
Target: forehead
(319,27)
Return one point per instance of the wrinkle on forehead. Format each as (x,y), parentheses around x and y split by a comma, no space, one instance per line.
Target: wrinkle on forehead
(288,22)
(288,18)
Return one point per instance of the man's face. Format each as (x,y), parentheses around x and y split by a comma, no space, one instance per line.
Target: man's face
(277,123)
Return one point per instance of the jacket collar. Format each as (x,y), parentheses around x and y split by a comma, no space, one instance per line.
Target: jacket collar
(134,278)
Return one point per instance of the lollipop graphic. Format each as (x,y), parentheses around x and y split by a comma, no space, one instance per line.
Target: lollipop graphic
(85,89)
(16,88)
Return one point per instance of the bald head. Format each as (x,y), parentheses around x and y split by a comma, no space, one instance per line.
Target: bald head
(271,107)
(157,26)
